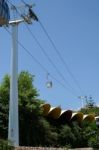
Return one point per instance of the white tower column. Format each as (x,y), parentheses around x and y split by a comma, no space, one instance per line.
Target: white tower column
(13,125)
(13,129)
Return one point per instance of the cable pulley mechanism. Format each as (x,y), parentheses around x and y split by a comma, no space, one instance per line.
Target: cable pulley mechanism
(32,14)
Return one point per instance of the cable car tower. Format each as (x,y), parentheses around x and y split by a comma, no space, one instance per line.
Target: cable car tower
(13,126)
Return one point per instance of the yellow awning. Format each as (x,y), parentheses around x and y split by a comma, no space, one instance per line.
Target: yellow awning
(46,109)
(78,116)
(89,117)
(54,112)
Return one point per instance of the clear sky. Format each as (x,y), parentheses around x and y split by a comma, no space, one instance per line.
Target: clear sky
(73,25)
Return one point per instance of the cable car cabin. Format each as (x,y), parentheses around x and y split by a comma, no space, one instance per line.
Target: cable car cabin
(49,84)
(4,13)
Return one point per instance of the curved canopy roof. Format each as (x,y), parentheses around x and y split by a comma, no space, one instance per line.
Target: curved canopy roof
(89,117)
(97,118)
(78,116)
(46,109)
(65,115)
(54,112)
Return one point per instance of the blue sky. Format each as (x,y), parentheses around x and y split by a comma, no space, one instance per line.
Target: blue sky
(73,25)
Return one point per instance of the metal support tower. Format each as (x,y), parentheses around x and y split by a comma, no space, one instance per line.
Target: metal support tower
(13,126)
(82,98)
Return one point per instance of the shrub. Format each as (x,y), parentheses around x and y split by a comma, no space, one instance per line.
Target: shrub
(5,146)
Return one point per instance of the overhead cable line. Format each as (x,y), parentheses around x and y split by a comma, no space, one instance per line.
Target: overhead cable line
(43,68)
(42,49)
(47,56)
(60,56)
(57,51)
(36,18)
(11,4)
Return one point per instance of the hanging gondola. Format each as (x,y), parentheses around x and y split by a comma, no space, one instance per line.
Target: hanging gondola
(49,83)
(4,13)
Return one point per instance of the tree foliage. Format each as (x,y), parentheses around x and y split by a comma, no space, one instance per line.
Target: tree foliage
(36,130)
(4,145)
(90,107)
(66,137)
(4,99)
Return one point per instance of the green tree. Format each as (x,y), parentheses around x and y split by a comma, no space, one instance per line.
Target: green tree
(90,102)
(33,128)
(4,98)
(5,146)
(28,102)
(66,136)
(94,110)
(76,130)
(27,91)
(90,134)
(90,107)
